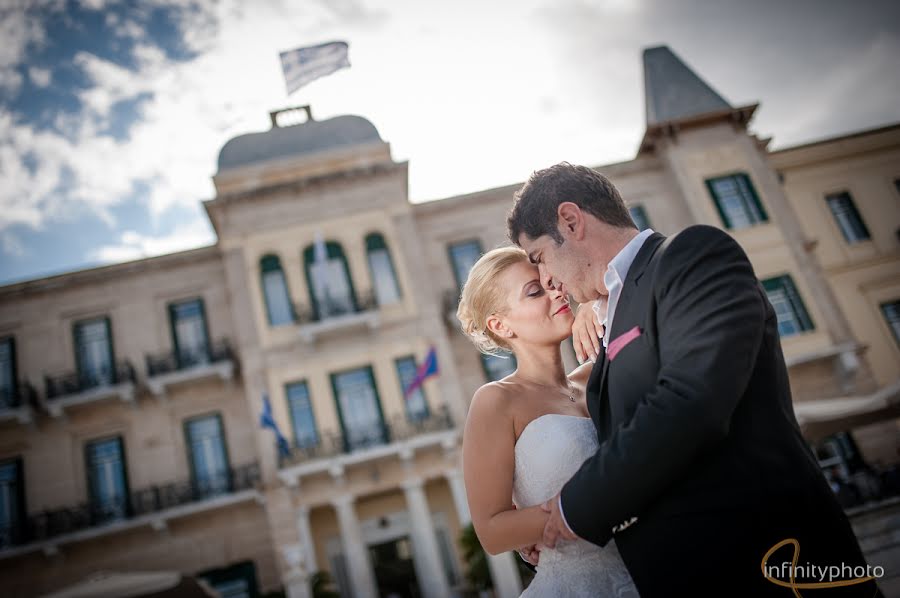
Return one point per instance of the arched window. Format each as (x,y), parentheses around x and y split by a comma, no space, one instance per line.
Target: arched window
(275,291)
(328,277)
(381,267)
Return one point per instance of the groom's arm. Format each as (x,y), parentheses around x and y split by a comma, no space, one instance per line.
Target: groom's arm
(710,319)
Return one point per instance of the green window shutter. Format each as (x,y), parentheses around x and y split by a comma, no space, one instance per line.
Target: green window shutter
(736,201)
(847,217)
(793,318)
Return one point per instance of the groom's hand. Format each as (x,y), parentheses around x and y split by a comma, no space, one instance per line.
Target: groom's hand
(556,528)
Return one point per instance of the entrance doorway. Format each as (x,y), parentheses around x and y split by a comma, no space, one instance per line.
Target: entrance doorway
(395,574)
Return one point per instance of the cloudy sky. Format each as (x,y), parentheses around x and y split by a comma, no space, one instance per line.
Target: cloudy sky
(112,113)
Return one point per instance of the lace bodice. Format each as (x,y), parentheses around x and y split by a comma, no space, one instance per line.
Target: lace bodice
(549,451)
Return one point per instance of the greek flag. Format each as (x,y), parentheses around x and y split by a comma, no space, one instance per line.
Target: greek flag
(267,421)
(303,65)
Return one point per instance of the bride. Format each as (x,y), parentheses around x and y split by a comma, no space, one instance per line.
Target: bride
(528,433)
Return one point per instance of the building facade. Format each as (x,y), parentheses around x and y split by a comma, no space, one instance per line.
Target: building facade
(130,435)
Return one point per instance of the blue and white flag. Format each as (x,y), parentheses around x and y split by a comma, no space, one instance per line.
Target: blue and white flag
(267,421)
(304,65)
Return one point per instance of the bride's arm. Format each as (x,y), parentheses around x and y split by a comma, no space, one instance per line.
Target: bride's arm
(488,466)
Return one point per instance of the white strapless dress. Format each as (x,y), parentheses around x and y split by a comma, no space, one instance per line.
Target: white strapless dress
(549,451)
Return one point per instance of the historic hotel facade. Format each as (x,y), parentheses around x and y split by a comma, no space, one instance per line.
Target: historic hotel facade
(132,393)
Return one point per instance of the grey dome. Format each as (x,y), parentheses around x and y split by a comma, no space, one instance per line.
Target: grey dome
(307,138)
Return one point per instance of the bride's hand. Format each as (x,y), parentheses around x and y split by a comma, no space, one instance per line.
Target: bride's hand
(587,331)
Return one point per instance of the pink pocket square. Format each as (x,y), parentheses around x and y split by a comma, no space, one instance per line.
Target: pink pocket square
(620,341)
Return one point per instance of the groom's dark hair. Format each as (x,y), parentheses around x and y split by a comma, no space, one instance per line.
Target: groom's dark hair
(534,210)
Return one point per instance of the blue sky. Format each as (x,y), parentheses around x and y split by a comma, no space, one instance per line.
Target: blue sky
(112,112)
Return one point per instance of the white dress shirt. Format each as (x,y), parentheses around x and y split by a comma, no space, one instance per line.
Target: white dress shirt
(616,272)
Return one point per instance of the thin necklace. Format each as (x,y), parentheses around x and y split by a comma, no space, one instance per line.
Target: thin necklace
(569,393)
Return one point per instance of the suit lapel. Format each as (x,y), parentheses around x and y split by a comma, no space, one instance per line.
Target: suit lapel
(623,315)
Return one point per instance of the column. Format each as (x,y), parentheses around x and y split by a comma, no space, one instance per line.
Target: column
(359,567)
(504,572)
(426,555)
(306,540)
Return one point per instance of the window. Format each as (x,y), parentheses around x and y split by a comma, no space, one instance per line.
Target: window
(12,503)
(891,311)
(359,408)
(497,367)
(8,382)
(789,308)
(381,267)
(207,454)
(328,277)
(847,216)
(94,353)
(462,257)
(416,404)
(639,216)
(736,201)
(275,291)
(302,419)
(107,479)
(189,335)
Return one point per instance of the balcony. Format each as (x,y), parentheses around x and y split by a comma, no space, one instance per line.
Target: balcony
(336,318)
(75,388)
(398,437)
(18,403)
(151,507)
(177,367)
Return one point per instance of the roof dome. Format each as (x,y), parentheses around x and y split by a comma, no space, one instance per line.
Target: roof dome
(309,137)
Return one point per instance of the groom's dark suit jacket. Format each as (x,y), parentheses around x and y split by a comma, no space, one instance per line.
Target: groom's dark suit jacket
(698,435)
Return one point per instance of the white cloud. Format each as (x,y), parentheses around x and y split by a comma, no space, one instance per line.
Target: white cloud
(133,245)
(471,102)
(40,77)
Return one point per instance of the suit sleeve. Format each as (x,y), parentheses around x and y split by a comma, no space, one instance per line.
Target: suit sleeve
(710,316)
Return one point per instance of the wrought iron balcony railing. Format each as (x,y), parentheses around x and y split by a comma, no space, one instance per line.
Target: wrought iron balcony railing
(175,360)
(22,394)
(71,383)
(155,499)
(365,301)
(397,429)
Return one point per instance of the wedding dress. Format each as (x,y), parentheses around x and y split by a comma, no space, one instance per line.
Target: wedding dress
(549,451)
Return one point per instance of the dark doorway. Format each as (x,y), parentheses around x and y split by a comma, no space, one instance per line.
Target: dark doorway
(394,571)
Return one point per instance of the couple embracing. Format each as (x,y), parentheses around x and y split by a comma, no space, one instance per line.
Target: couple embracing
(670,463)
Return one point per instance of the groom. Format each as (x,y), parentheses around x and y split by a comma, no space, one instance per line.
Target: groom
(701,468)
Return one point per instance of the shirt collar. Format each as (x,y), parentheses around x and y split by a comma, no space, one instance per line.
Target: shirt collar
(622,262)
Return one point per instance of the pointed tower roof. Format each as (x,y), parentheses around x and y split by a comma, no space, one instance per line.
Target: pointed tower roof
(677,98)
(673,91)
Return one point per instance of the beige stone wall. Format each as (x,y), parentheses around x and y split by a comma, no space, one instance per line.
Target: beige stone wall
(41,314)
(864,274)
(191,545)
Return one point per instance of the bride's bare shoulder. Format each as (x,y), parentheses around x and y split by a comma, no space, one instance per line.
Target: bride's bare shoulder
(491,401)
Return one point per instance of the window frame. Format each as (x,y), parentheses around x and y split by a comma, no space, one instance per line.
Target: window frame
(421,390)
(263,270)
(754,196)
(450,246)
(312,411)
(333,250)
(803,317)
(375,242)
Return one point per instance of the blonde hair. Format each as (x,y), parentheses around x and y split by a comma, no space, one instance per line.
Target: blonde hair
(481,297)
